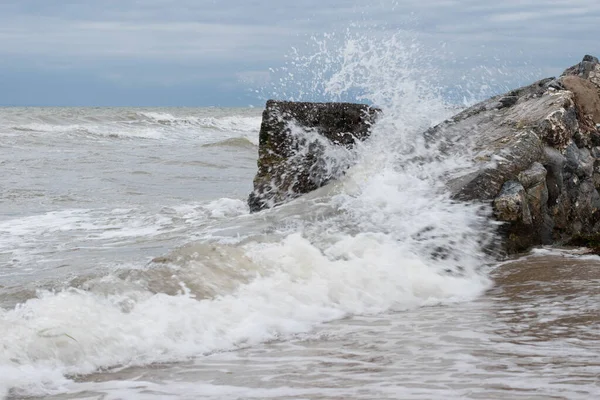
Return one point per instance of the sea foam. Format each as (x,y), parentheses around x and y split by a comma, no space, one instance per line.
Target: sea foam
(385,237)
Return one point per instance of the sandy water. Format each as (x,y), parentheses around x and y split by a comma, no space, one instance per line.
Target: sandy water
(131,269)
(534,335)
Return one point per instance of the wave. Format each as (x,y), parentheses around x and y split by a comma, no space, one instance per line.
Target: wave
(226,124)
(109,131)
(40,127)
(239,131)
(262,292)
(234,142)
(39,242)
(385,237)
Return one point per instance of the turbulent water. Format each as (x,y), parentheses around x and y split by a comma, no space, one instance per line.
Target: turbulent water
(130,267)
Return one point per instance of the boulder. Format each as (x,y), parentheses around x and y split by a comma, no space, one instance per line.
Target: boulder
(294,143)
(536,157)
(535,152)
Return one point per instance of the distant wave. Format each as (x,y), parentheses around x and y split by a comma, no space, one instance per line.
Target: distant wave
(37,127)
(226,130)
(233,142)
(230,123)
(100,130)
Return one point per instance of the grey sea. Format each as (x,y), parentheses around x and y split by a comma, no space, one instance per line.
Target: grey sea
(130,268)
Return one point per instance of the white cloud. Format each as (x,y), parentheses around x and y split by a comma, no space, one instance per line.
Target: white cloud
(171,41)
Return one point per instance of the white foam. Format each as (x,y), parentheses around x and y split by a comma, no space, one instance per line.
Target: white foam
(392,240)
(226,208)
(154,126)
(75,331)
(42,240)
(112,223)
(102,130)
(92,224)
(229,123)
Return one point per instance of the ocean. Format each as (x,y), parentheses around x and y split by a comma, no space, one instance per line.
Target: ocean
(130,268)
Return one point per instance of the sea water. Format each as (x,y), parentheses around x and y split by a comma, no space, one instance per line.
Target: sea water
(130,267)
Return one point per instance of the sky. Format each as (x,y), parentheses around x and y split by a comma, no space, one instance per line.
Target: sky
(231,52)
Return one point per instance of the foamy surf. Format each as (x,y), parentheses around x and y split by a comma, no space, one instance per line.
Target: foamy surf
(383,238)
(293,286)
(372,253)
(110,124)
(35,245)
(226,124)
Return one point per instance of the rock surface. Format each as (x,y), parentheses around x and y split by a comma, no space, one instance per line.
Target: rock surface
(535,157)
(293,143)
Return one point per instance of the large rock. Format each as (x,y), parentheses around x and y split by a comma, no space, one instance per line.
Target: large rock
(535,157)
(294,144)
(535,150)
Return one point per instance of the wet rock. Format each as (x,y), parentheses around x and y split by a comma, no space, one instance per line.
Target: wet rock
(508,101)
(536,174)
(293,143)
(535,152)
(534,182)
(591,241)
(579,161)
(511,204)
(512,207)
(558,128)
(505,141)
(596,174)
(554,163)
(595,138)
(588,200)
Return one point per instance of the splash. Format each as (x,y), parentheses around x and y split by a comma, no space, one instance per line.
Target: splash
(385,236)
(397,184)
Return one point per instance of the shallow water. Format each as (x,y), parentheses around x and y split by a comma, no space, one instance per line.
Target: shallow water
(534,335)
(131,269)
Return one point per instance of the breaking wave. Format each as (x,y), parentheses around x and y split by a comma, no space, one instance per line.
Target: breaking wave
(228,124)
(386,236)
(148,125)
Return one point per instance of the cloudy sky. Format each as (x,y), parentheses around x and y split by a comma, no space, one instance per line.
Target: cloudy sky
(205,52)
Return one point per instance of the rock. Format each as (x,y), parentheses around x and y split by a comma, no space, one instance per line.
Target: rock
(588,69)
(591,241)
(504,141)
(596,175)
(579,161)
(511,204)
(534,182)
(585,96)
(534,156)
(508,101)
(588,201)
(595,138)
(587,100)
(535,152)
(293,143)
(537,200)
(535,175)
